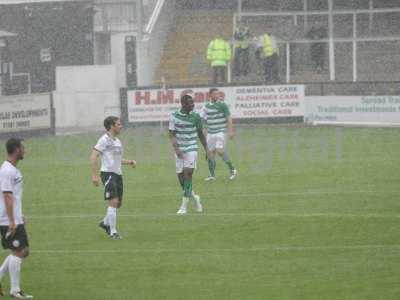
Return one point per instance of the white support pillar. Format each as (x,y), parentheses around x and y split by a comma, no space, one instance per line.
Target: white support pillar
(240,10)
(354,47)
(287,62)
(371,15)
(305,8)
(140,44)
(139,14)
(331,43)
(235,17)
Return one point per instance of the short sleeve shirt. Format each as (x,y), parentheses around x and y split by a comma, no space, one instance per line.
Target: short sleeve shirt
(186,127)
(111,154)
(215,115)
(11,181)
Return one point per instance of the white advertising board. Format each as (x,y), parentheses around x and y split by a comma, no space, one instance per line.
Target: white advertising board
(353,109)
(268,101)
(25,112)
(149,105)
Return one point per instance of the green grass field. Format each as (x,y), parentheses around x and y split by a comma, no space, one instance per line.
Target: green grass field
(313,214)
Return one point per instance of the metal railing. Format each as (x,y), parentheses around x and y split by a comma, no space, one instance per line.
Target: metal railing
(331,40)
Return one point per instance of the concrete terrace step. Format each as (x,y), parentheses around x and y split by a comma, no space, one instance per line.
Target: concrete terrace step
(184,54)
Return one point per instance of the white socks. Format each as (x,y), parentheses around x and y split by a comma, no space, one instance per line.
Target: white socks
(4,267)
(105,220)
(112,219)
(12,264)
(14,267)
(196,199)
(185,202)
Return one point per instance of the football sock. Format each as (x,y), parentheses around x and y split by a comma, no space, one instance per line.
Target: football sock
(14,267)
(212,164)
(226,159)
(187,188)
(196,199)
(105,220)
(112,219)
(4,267)
(185,202)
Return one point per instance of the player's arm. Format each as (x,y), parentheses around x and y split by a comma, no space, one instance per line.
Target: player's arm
(129,162)
(231,130)
(204,124)
(203,141)
(93,162)
(6,188)
(229,121)
(203,116)
(9,203)
(202,137)
(172,137)
(174,142)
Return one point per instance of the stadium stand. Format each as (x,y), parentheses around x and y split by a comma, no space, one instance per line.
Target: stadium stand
(184,61)
(184,58)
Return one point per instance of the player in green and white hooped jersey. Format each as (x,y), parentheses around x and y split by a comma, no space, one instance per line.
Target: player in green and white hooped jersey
(217,117)
(184,128)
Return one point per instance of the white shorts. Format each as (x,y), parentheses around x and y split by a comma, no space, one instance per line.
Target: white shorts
(189,160)
(216,141)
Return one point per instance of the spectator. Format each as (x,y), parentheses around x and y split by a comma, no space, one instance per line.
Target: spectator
(241,59)
(219,54)
(317,50)
(268,53)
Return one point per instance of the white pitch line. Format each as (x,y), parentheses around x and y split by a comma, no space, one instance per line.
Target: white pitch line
(197,250)
(259,214)
(305,193)
(236,195)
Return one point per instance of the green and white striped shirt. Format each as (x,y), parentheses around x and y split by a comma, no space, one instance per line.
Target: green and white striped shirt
(186,127)
(215,115)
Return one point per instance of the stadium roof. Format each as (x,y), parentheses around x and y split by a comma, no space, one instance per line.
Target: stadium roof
(5,2)
(36,1)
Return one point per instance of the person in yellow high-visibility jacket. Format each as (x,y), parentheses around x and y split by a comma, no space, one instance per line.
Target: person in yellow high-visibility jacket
(242,53)
(219,54)
(268,51)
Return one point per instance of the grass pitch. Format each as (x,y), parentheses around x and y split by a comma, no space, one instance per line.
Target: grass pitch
(313,214)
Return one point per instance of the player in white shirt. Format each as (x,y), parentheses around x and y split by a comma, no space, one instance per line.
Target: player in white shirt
(110,149)
(12,221)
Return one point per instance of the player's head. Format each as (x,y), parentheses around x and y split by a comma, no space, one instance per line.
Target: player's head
(214,94)
(113,124)
(187,103)
(15,148)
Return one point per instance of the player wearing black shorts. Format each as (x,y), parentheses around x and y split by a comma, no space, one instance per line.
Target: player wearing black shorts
(110,149)
(113,185)
(16,241)
(12,221)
